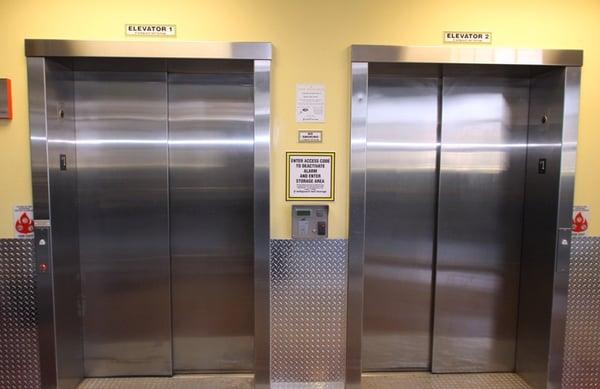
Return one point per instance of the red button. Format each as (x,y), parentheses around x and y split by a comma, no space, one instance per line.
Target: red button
(43,267)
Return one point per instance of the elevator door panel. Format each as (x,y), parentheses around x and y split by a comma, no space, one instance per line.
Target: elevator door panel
(124,222)
(211,138)
(400,204)
(481,189)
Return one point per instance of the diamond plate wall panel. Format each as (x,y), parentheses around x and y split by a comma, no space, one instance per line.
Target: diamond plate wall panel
(19,358)
(582,339)
(308,313)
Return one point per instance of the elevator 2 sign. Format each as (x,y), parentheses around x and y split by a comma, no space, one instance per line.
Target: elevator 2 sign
(310,176)
(467,37)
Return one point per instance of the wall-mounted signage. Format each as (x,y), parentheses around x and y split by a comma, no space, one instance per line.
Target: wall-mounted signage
(581,220)
(467,37)
(151,29)
(310,176)
(310,136)
(310,103)
(23,221)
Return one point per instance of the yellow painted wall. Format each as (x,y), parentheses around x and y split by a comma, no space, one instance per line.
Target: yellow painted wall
(311,39)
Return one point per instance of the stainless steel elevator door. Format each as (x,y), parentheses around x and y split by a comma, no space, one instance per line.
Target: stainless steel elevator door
(401,188)
(481,194)
(121,120)
(211,138)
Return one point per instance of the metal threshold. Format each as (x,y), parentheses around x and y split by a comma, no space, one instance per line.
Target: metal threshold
(184,381)
(442,381)
(369,381)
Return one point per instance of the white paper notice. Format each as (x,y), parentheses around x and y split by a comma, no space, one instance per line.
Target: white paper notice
(310,136)
(310,103)
(310,176)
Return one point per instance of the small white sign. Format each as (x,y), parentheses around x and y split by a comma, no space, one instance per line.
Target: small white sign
(23,221)
(310,136)
(581,220)
(310,176)
(151,29)
(467,37)
(310,103)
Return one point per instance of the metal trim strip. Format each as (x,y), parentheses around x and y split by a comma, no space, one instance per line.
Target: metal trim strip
(262,140)
(556,352)
(356,231)
(148,49)
(466,55)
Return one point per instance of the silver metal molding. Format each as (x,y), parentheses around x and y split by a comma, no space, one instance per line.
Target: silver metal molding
(466,55)
(262,141)
(356,233)
(147,49)
(570,130)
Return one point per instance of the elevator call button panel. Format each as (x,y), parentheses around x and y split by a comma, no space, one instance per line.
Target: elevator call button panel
(310,221)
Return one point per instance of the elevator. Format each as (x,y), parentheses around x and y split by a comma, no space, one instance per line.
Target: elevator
(461,192)
(150,186)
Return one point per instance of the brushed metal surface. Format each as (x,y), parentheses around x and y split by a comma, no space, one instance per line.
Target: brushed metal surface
(36,87)
(261,219)
(466,55)
(36,90)
(582,340)
(538,263)
(481,194)
(147,49)
(401,198)
(443,381)
(123,219)
(211,162)
(19,356)
(66,272)
(572,90)
(356,227)
(308,313)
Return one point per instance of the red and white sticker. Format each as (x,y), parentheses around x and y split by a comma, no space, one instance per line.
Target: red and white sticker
(581,220)
(23,221)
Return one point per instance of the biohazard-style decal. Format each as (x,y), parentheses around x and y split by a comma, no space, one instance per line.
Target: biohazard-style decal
(580,221)
(23,221)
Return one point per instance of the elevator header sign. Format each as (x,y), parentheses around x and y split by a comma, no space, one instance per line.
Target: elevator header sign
(467,37)
(151,29)
(310,176)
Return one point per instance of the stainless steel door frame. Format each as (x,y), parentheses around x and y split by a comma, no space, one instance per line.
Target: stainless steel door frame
(38,52)
(361,57)
(262,160)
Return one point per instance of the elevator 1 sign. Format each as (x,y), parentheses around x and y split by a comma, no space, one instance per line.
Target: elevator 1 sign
(151,29)
(310,176)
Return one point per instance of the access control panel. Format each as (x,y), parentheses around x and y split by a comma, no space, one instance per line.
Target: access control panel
(310,221)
